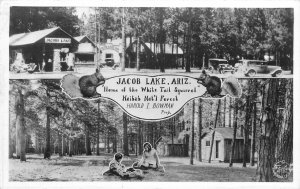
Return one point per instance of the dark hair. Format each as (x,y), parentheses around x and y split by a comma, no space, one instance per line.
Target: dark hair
(147,144)
(118,156)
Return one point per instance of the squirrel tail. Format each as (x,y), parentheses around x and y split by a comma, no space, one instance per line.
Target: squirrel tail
(70,85)
(231,87)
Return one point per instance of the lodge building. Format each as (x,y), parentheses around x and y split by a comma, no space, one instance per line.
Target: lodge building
(46,48)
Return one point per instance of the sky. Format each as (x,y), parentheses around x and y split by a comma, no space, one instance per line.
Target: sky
(80,10)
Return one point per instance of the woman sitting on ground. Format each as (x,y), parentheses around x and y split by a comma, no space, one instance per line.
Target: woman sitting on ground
(117,168)
(149,159)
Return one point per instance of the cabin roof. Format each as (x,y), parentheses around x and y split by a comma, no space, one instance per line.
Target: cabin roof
(82,37)
(167,48)
(31,37)
(226,132)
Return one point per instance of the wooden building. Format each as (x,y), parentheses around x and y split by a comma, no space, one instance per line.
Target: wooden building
(110,52)
(46,48)
(149,53)
(222,145)
(166,147)
(85,55)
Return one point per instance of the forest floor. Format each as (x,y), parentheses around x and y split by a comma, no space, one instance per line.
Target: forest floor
(90,168)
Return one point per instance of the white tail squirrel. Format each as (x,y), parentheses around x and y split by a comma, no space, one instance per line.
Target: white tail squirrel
(89,83)
(216,88)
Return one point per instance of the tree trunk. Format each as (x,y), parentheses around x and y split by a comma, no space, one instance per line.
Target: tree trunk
(62,145)
(200,131)
(197,123)
(213,134)
(115,143)
(88,150)
(140,135)
(285,135)
(184,56)
(161,39)
(267,139)
(253,141)
(230,108)
(108,142)
(95,40)
(246,133)
(47,153)
(136,146)
(125,136)
(98,127)
(193,134)
(123,50)
(138,53)
(177,42)
(59,144)
(71,147)
(234,133)
(224,118)
(246,124)
(20,126)
(188,53)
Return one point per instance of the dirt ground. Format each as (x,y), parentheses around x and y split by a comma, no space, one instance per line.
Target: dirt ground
(90,168)
(108,72)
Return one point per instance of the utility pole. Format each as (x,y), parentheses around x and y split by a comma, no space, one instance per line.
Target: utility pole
(99,41)
(96,57)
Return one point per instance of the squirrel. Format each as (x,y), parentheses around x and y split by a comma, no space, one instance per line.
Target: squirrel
(89,83)
(215,87)
(212,83)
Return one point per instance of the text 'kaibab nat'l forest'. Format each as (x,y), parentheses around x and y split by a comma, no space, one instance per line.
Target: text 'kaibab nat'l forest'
(150,98)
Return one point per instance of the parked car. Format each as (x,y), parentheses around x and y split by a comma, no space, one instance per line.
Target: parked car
(253,67)
(220,65)
(223,68)
(109,62)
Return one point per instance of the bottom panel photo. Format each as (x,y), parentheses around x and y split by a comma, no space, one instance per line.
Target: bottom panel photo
(246,139)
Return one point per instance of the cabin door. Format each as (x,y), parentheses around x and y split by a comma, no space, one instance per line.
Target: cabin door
(217,149)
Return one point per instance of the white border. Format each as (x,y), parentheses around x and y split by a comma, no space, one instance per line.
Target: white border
(4,38)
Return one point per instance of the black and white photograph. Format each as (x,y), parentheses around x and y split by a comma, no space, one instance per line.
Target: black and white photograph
(129,94)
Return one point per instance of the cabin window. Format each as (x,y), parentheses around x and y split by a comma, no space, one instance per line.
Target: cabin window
(207,143)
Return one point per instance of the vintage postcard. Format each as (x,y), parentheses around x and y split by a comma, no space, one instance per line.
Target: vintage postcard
(153,94)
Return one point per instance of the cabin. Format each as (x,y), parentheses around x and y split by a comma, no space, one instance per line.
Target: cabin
(46,49)
(85,55)
(168,147)
(176,142)
(149,53)
(111,53)
(222,145)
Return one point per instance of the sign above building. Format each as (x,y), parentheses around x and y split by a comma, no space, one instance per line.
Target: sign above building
(57,40)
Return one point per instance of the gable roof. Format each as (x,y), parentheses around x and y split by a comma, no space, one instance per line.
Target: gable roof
(79,38)
(82,37)
(168,48)
(156,48)
(31,37)
(226,132)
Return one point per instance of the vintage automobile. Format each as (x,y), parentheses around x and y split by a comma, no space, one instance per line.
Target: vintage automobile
(253,67)
(220,65)
(223,68)
(109,62)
